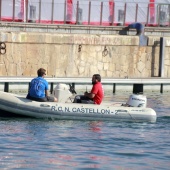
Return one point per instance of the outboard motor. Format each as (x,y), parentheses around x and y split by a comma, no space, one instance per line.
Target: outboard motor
(137,101)
(61,92)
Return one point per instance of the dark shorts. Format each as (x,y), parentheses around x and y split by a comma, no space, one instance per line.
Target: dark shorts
(83,99)
(45,99)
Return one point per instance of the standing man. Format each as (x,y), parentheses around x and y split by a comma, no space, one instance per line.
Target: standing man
(39,88)
(95,96)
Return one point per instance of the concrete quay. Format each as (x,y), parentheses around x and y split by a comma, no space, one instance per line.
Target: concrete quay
(82,55)
(79,29)
(115,85)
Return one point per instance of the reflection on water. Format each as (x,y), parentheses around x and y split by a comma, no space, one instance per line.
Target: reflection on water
(40,144)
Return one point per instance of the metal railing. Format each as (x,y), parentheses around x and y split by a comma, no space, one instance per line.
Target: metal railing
(78,12)
(7,82)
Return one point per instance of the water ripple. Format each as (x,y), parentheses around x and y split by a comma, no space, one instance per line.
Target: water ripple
(43,145)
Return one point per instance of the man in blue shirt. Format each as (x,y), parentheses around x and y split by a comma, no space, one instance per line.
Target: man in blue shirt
(39,88)
(138,26)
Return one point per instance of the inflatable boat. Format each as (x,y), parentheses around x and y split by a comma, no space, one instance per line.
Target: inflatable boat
(133,110)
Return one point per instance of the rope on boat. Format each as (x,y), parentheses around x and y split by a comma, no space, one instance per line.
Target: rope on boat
(131,116)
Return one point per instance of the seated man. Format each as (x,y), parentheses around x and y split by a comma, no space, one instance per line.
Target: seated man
(39,88)
(138,26)
(95,96)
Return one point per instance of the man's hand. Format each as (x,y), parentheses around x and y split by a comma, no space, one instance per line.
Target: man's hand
(90,95)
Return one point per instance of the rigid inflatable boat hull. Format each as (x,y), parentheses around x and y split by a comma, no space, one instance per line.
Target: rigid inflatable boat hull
(73,111)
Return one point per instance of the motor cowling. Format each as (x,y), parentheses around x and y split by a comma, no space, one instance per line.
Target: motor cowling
(137,101)
(61,92)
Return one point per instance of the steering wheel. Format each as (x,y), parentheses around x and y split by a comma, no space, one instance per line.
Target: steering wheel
(72,90)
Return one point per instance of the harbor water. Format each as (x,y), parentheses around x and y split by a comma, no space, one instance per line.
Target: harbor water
(28,143)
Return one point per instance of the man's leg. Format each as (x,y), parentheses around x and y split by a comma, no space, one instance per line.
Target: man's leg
(83,99)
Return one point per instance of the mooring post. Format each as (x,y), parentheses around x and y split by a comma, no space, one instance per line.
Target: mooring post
(6,87)
(161,56)
(161,88)
(29,84)
(51,88)
(114,87)
(138,88)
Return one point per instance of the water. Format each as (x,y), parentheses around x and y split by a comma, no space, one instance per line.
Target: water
(28,143)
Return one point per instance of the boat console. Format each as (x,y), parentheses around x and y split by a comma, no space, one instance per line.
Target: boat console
(62,92)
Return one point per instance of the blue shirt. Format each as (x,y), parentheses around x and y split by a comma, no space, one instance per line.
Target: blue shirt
(37,87)
(137,26)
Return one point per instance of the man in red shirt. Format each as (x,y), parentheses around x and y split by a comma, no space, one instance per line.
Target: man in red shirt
(95,96)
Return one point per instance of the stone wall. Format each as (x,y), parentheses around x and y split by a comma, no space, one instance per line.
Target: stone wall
(81,55)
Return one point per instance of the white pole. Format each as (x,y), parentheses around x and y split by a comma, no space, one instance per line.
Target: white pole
(162,53)
(24,11)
